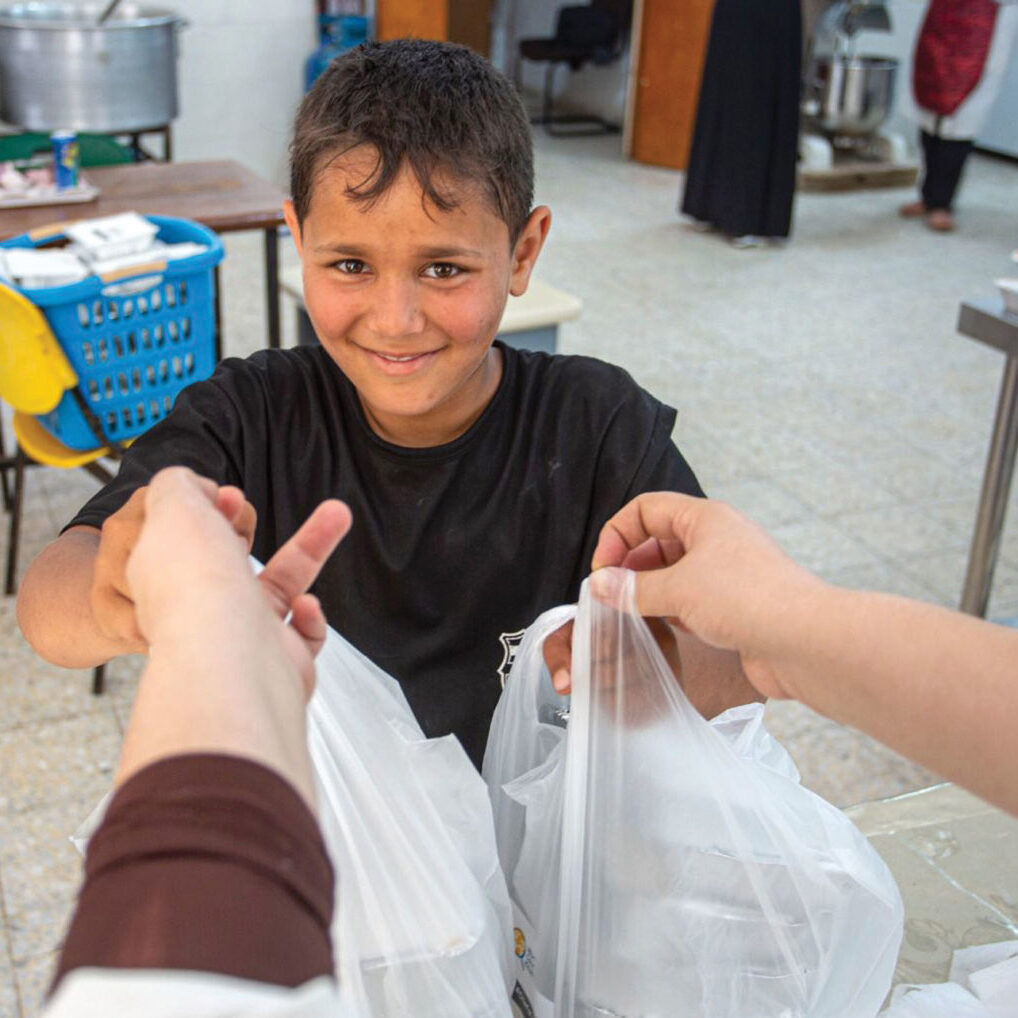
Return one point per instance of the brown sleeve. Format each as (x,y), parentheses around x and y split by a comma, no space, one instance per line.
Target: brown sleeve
(209,863)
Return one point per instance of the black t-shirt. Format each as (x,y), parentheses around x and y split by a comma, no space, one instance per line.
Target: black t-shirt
(455,549)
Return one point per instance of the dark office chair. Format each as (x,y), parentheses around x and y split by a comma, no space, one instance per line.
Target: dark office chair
(592,33)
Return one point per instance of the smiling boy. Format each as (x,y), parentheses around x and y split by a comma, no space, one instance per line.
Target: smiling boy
(478,475)
(406,302)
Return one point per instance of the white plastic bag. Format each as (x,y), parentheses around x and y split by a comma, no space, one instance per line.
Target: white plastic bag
(663,865)
(422,922)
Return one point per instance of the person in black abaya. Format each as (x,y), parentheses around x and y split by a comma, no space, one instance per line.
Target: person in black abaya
(741,174)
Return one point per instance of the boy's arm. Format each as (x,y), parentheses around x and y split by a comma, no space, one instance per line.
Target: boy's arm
(74,605)
(54,603)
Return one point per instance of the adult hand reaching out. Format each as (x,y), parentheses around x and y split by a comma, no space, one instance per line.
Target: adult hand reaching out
(226,673)
(113,608)
(711,676)
(186,564)
(710,571)
(215,769)
(933,684)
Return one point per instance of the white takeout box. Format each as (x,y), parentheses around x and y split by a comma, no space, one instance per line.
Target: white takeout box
(156,252)
(112,236)
(33,269)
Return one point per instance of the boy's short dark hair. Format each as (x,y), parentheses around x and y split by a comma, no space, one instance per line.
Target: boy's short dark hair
(434,106)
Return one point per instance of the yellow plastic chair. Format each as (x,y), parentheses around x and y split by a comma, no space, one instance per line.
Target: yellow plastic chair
(34,374)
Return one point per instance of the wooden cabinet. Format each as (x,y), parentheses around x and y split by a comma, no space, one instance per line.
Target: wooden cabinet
(670,41)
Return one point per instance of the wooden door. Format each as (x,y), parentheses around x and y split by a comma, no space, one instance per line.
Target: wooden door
(423,19)
(470,24)
(670,41)
(465,21)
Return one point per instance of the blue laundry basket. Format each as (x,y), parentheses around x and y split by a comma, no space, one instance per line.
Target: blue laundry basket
(134,340)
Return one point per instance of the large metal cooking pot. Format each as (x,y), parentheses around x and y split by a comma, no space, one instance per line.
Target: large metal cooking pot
(850,95)
(60,68)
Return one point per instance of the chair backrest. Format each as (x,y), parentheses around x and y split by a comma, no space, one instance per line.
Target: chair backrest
(34,370)
(587,27)
(93,149)
(621,9)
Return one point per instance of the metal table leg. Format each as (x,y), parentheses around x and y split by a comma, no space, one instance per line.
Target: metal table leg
(993,500)
(272,285)
(217,311)
(6,463)
(14,534)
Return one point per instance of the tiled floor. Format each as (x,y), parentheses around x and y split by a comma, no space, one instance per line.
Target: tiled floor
(821,387)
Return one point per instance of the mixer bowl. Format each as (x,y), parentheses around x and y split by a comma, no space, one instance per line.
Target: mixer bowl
(850,95)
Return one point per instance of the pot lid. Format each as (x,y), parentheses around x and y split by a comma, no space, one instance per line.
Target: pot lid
(83,16)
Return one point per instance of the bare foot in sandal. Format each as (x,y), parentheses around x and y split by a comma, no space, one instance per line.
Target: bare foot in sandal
(940,220)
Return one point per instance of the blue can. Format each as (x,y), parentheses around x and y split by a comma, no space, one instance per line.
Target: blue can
(66,159)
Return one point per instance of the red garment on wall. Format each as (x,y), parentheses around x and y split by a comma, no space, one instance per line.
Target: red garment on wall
(951,52)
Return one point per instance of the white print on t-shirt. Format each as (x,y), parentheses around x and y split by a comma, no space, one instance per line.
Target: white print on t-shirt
(510,644)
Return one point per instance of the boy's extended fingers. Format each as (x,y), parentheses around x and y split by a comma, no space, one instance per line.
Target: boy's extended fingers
(294,567)
(241,515)
(308,621)
(558,657)
(177,487)
(119,621)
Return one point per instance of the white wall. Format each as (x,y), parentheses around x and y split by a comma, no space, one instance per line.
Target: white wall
(241,78)
(1001,130)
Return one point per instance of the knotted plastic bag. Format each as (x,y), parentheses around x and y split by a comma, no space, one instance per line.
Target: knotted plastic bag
(663,865)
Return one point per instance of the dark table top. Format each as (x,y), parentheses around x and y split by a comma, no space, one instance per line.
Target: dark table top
(987,320)
(224,195)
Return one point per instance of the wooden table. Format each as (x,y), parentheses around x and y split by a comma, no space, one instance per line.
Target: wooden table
(224,196)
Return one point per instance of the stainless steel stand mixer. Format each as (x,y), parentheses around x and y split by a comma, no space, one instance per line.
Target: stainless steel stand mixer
(847,96)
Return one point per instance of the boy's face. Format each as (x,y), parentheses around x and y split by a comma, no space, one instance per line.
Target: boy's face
(407,299)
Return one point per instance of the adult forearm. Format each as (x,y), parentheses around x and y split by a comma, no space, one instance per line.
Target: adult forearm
(53,603)
(221,689)
(935,685)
